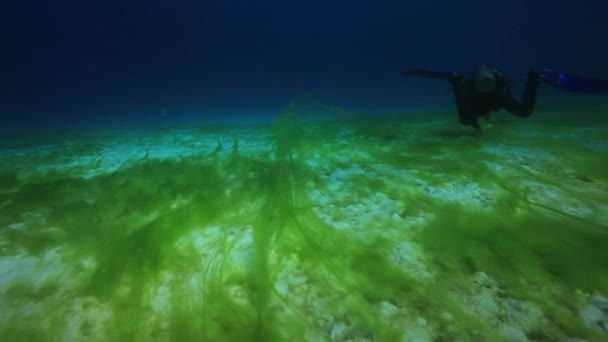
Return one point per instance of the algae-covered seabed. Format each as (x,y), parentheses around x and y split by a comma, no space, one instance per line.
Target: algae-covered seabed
(399,228)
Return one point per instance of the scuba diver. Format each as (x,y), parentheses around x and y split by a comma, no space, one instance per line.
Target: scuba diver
(487,90)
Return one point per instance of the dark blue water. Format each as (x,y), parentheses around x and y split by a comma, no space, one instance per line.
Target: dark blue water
(76,63)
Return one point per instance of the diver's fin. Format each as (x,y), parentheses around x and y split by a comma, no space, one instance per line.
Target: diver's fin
(573,83)
(430,74)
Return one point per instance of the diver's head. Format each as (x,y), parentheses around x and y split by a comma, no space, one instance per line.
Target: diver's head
(483,79)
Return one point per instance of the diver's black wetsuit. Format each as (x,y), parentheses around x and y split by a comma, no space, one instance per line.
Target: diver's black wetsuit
(472,104)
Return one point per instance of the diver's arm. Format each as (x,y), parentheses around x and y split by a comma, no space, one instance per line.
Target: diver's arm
(526,107)
(462,103)
(476,126)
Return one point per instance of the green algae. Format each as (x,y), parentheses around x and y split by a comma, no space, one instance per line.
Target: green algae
(130,221)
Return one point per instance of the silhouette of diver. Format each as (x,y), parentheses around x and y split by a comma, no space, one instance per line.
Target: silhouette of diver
(487,90)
